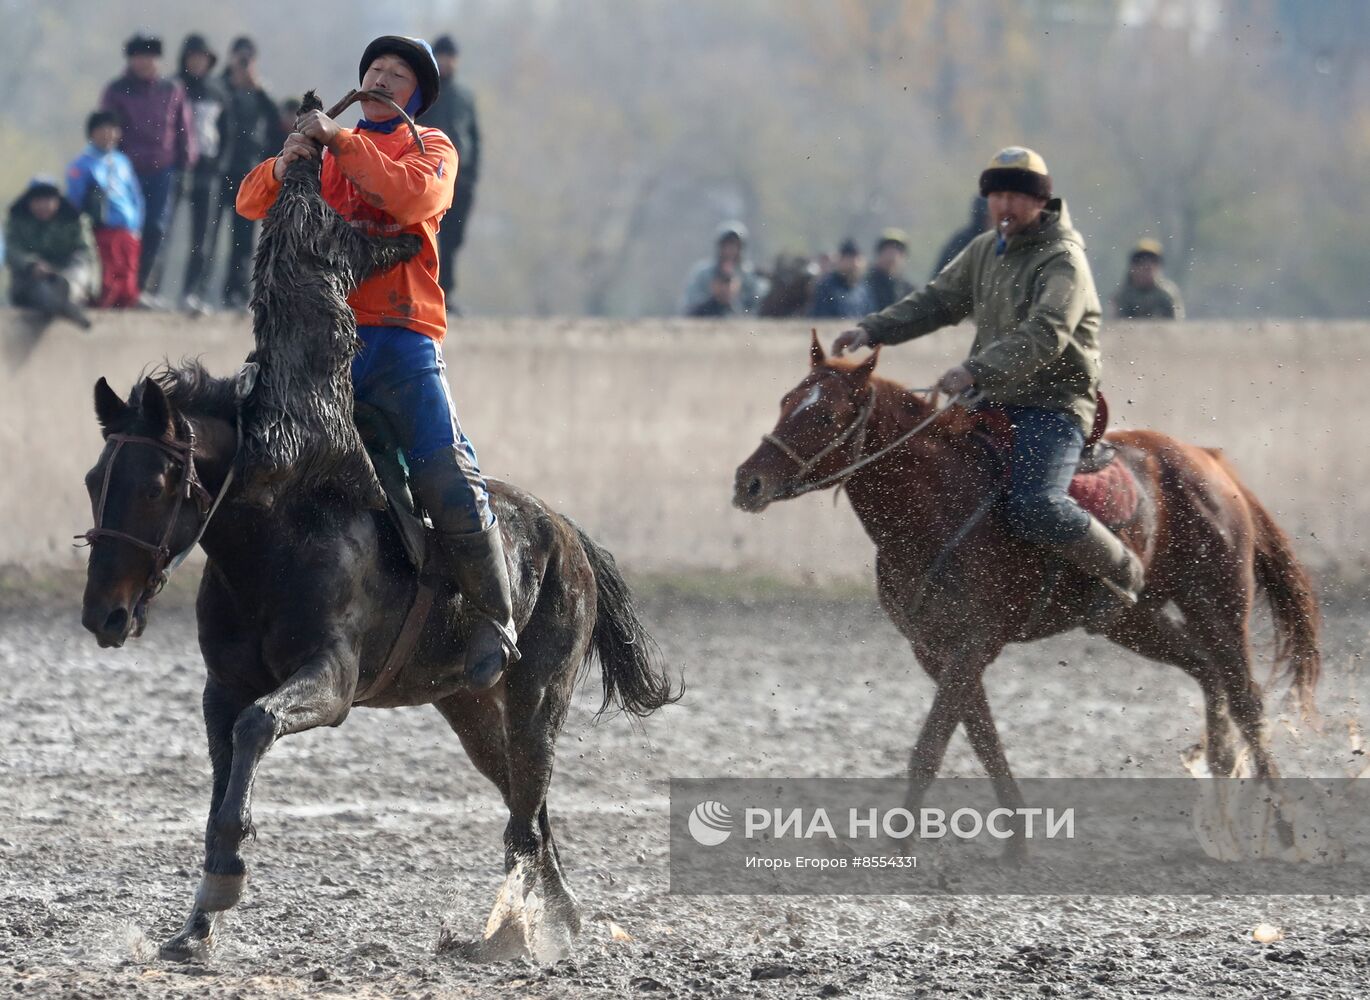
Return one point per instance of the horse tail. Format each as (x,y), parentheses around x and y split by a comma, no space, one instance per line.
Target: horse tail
(1293,604)
(629,658)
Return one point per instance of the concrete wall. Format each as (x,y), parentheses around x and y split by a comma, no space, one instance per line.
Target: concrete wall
(635,428)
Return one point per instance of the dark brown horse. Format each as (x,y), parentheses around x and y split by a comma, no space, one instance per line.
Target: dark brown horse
(301,603)
(304,607)
(960,587)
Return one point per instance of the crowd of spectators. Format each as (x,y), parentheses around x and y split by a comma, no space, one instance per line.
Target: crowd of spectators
(159,141)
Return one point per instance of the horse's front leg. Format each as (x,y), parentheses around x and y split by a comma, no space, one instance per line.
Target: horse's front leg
(221,707)
(318,694)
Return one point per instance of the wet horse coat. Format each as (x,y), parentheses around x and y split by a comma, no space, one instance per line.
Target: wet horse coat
(306,585)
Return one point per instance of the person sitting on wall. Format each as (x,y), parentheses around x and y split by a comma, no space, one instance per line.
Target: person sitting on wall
(49,253)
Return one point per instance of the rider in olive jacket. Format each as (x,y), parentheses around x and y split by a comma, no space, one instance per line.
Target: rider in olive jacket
(1036,355)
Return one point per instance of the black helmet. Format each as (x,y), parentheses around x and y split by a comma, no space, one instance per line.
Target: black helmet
(414,51)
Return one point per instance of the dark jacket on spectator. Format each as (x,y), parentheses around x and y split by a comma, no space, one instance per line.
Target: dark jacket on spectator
(835,297)
(208,99)
(959,240)
(158,131)
(246,129)
(63,242)
(885,289)
(455,114)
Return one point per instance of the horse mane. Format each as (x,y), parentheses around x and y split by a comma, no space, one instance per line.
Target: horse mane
(193,391)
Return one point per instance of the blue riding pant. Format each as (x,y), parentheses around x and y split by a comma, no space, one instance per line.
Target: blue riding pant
(402,373)
(1046,451)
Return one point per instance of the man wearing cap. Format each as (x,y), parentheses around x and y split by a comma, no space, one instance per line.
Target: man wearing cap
(376,177)
(207,99)
(455,113)
(248,125)
(730,241)
(1029,288)
(841,292)
(885,281)
(1146,293)
(159,139)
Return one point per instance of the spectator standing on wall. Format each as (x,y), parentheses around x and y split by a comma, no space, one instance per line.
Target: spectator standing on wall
(455,114)
(50,253)
(730,241)
(101,182)
(1146,293)
(885,281)
(959,240)
(842,292)
(158,137)
(249,124)
(207,99)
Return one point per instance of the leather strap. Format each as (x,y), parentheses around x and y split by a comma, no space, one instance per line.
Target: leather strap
(404,644)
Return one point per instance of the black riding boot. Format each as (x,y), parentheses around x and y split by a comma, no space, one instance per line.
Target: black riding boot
(472,558)
(476,562)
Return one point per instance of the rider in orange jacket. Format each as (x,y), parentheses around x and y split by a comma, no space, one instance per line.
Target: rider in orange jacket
(375,177)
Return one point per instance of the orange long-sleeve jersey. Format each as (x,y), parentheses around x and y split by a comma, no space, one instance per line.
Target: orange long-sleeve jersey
(381,183)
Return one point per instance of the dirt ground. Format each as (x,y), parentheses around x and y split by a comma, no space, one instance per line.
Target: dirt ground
(370,833)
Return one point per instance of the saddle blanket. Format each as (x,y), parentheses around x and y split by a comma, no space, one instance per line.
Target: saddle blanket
(1111,494)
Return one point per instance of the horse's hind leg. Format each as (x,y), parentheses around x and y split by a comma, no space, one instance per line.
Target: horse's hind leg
(1148,631)
(224,870)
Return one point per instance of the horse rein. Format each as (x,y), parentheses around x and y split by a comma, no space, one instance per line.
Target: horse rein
(182,452)
(858,429)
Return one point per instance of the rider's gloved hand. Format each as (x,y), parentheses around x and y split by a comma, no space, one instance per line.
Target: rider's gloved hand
(850,340)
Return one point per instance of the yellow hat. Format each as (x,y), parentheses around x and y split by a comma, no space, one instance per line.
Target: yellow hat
(1016,168)
(1148,247)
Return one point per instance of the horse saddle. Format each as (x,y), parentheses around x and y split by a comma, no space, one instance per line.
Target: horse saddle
(1107,489)
(387,458)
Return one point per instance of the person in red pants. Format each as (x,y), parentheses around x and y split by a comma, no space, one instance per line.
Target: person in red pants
(102,184)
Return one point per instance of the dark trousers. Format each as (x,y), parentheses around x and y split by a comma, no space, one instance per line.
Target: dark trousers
(204,229)
(451,235)
(159,198)
(1046,452)
(242,234)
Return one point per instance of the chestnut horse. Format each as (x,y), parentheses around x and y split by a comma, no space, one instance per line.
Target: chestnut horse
(959,587)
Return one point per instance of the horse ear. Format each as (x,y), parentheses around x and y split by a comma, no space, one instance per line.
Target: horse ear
(865,369)
(110,410)
(816,356)
(155,407)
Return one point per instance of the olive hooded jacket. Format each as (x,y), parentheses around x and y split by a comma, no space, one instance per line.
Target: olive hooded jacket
(1036,316)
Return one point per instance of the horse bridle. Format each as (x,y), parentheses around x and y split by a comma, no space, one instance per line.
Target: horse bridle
(857,429)
(190,487)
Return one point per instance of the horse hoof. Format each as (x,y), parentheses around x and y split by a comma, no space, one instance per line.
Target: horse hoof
(194,941)
(219,892)
(505,944)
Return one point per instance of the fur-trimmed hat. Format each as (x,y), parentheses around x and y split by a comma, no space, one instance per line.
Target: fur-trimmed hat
(1016,168)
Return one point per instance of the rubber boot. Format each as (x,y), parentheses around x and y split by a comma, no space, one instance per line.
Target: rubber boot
(1101,554)
(476,562)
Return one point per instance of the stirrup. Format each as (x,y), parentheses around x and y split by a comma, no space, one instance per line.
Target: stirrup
(508,639)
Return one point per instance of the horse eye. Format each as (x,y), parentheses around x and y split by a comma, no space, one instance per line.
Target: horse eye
(154,492)
(825,418)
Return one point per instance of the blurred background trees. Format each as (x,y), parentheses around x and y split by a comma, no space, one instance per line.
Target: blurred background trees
(617,135)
